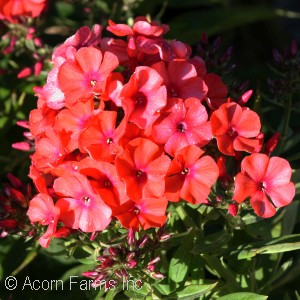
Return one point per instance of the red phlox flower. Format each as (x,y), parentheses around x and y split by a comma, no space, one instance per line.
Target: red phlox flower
(13,9)
(80,206)
(142,166)
(85,76)
(183,123)
(84,37)
(272,143)
(41,120)
(266,181)
(118,47)
(75,120)
(41,181)
(236,129)
(147,213)
(105,181)
(141,26)
(181,80)
(114,85)
(143,96)
(143,37)
(101,138)
(42,210)
(199,65)
(50,94)
(50,151)
(190,177)
(180,50)
(217,90)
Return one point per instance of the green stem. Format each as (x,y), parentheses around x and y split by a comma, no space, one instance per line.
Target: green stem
(28,259)
(286,122)
(187,220)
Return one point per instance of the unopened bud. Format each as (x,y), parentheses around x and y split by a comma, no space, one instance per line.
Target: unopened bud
(157,276)
(154,261)
(131,264)
(143,241)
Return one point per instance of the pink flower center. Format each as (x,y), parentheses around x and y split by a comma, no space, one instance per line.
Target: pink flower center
(86,199)
(185,171)
(140,99)
(138,173)
(232,133)
(109,141)
(136,211)
(181,127)
(262,186)
(93,82)
(173,93)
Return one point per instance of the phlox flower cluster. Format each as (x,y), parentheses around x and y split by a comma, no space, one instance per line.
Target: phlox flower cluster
(126,124)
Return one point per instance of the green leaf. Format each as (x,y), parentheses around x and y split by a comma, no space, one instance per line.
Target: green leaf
(192,291)
(243,296)
(188,26)
(163,287)
(278,245)
(283,268)
(181,260)
(212,243)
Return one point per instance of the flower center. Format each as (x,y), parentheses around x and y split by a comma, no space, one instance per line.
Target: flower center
(173,93)
(232,133)
(136,211)
(86,199)
(184,171)
(139,173)
(140,99)
(262,186)
(181,127)
(109,141)
(93,82)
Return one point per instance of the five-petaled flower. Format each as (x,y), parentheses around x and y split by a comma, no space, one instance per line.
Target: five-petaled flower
(267,181)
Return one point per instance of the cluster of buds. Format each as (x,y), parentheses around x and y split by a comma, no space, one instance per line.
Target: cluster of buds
(119,263)
(14,201)
(287,64)
(215,61)
(20,40)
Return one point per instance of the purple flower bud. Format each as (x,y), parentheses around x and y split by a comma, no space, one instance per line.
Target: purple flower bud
(226,56)
(157,276)
(131,237)
(143,241)
(124,273)
(90,274)
(216,45)
(118,274)
(131,264)
(294,48)
(130,256)
(277,57)
(164,237)
(151,268)
(204,38)
(113,251)
(245,97)
(154,261)
(243,86)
